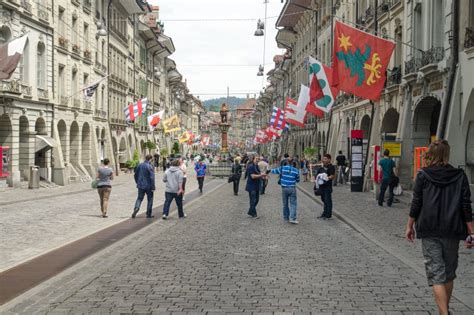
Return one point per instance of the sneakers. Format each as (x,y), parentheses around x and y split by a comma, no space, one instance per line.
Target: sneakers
(322,217)
(104,216)
(150,216)
(184,198)
(164,217)
(294,221)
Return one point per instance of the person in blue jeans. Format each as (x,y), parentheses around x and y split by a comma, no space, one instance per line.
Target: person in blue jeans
(200,169)
(253,176)
(173,178)
(326,188)
(388,169)
(289,176)
(145,180)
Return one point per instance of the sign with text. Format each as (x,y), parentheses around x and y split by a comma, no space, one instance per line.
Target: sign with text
(395,148)
(357,160)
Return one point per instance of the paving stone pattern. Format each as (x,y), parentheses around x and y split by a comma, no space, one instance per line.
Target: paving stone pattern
(220,261)
(35,221)
(386,225)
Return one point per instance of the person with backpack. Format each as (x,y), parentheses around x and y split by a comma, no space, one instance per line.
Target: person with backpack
(441,215)
(388,173)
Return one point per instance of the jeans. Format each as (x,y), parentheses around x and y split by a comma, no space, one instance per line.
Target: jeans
(263,185)
(289,194)
(341,174)
(149,196)
(383,188)
(200,182)
(254,196)
(179,203)
(236,186)
(326,197)
(184,184)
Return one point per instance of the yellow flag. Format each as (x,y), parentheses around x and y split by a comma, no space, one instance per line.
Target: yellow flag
(171,124)
(184,137)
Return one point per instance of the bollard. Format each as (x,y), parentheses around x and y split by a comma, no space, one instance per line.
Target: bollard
(33,182)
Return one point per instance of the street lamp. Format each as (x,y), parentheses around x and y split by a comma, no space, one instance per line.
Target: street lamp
(260,28)
(101,31)
(260,71)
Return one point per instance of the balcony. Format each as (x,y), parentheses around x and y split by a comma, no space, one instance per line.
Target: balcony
(469,37)
(26,90)
(10,86)
(87,6)
(77,102)
(43,15)
(25,4)
(43,93)
(395,76)
(432,56)
(64,100)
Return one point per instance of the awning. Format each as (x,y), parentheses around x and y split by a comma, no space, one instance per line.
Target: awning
(285,37)
(44,143)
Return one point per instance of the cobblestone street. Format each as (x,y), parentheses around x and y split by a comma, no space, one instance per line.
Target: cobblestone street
(220,261)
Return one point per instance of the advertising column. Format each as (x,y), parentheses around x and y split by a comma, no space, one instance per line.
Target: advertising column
(357,160)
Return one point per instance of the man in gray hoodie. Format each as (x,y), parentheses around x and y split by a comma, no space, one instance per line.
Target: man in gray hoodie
(173,178)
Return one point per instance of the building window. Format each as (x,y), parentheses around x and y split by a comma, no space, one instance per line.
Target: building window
(40,65)
(61,81)
(62,22)
(74,31)
(74,82)
(437,23)
(86,36)
(24,65)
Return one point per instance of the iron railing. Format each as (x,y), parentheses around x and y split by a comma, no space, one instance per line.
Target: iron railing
(395,76)
(469,37)
(42,13)
(430,56)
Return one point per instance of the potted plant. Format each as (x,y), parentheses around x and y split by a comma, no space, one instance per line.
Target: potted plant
(62,41)
(310,152)
(164,152)
(150,145)
(87,53)
(131,164)
(76,48)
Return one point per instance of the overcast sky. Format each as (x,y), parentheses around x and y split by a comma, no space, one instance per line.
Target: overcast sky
(200,45)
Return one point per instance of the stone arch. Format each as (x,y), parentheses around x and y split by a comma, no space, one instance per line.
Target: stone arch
(74,143)
(62,132)
(425,121)
(40,126)
(123,150)
(86,144)
(24,150)
(365,125)
(390,121)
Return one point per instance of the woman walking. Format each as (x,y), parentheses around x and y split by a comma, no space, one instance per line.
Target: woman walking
(236,174)
(183,168)
(104,186)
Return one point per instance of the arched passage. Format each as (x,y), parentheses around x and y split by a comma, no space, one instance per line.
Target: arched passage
(40,129)
(6,139)
(86,144)
(24,150)
(425,121)
(74,144)
(62,132)
(390,124)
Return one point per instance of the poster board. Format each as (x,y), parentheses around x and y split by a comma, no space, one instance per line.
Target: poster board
(357,160)
(395,148)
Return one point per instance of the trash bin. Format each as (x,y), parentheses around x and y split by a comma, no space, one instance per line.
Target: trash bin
(33,183)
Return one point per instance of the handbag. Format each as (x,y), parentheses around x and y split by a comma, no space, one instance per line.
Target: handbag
(94,184)
(317,191)
(397,191)
(230,179)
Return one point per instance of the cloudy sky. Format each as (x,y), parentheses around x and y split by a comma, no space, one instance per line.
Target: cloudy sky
(201,46)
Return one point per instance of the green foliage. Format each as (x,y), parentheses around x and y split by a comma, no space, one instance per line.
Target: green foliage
(164,152)
(131,164)
(150,145)
(136,156)
(310,152)
(175,149)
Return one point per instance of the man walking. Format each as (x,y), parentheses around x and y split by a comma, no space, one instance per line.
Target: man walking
(263,166)
(326,187)
(173,178)
(236,174)
(253,176)
(200,169)
(145,180)
(341,168)
(388,169)
(289,176)
(442,214)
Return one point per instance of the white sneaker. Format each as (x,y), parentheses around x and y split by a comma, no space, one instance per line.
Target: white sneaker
(164,217)
(185,215)
(294,221)
(184,198)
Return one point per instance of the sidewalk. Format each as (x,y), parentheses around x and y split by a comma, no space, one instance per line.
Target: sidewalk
(34,222)
(386,227)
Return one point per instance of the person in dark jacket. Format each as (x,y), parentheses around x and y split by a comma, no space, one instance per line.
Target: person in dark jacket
(145,180)
(253,176)
(441,215)
(236,174)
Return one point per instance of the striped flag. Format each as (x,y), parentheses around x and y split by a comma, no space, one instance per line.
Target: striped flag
(277,120)
(90,90)
(135,110)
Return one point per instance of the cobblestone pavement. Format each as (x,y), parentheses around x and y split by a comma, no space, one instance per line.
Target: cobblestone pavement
(33,222)
(220,261)
(386,226)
